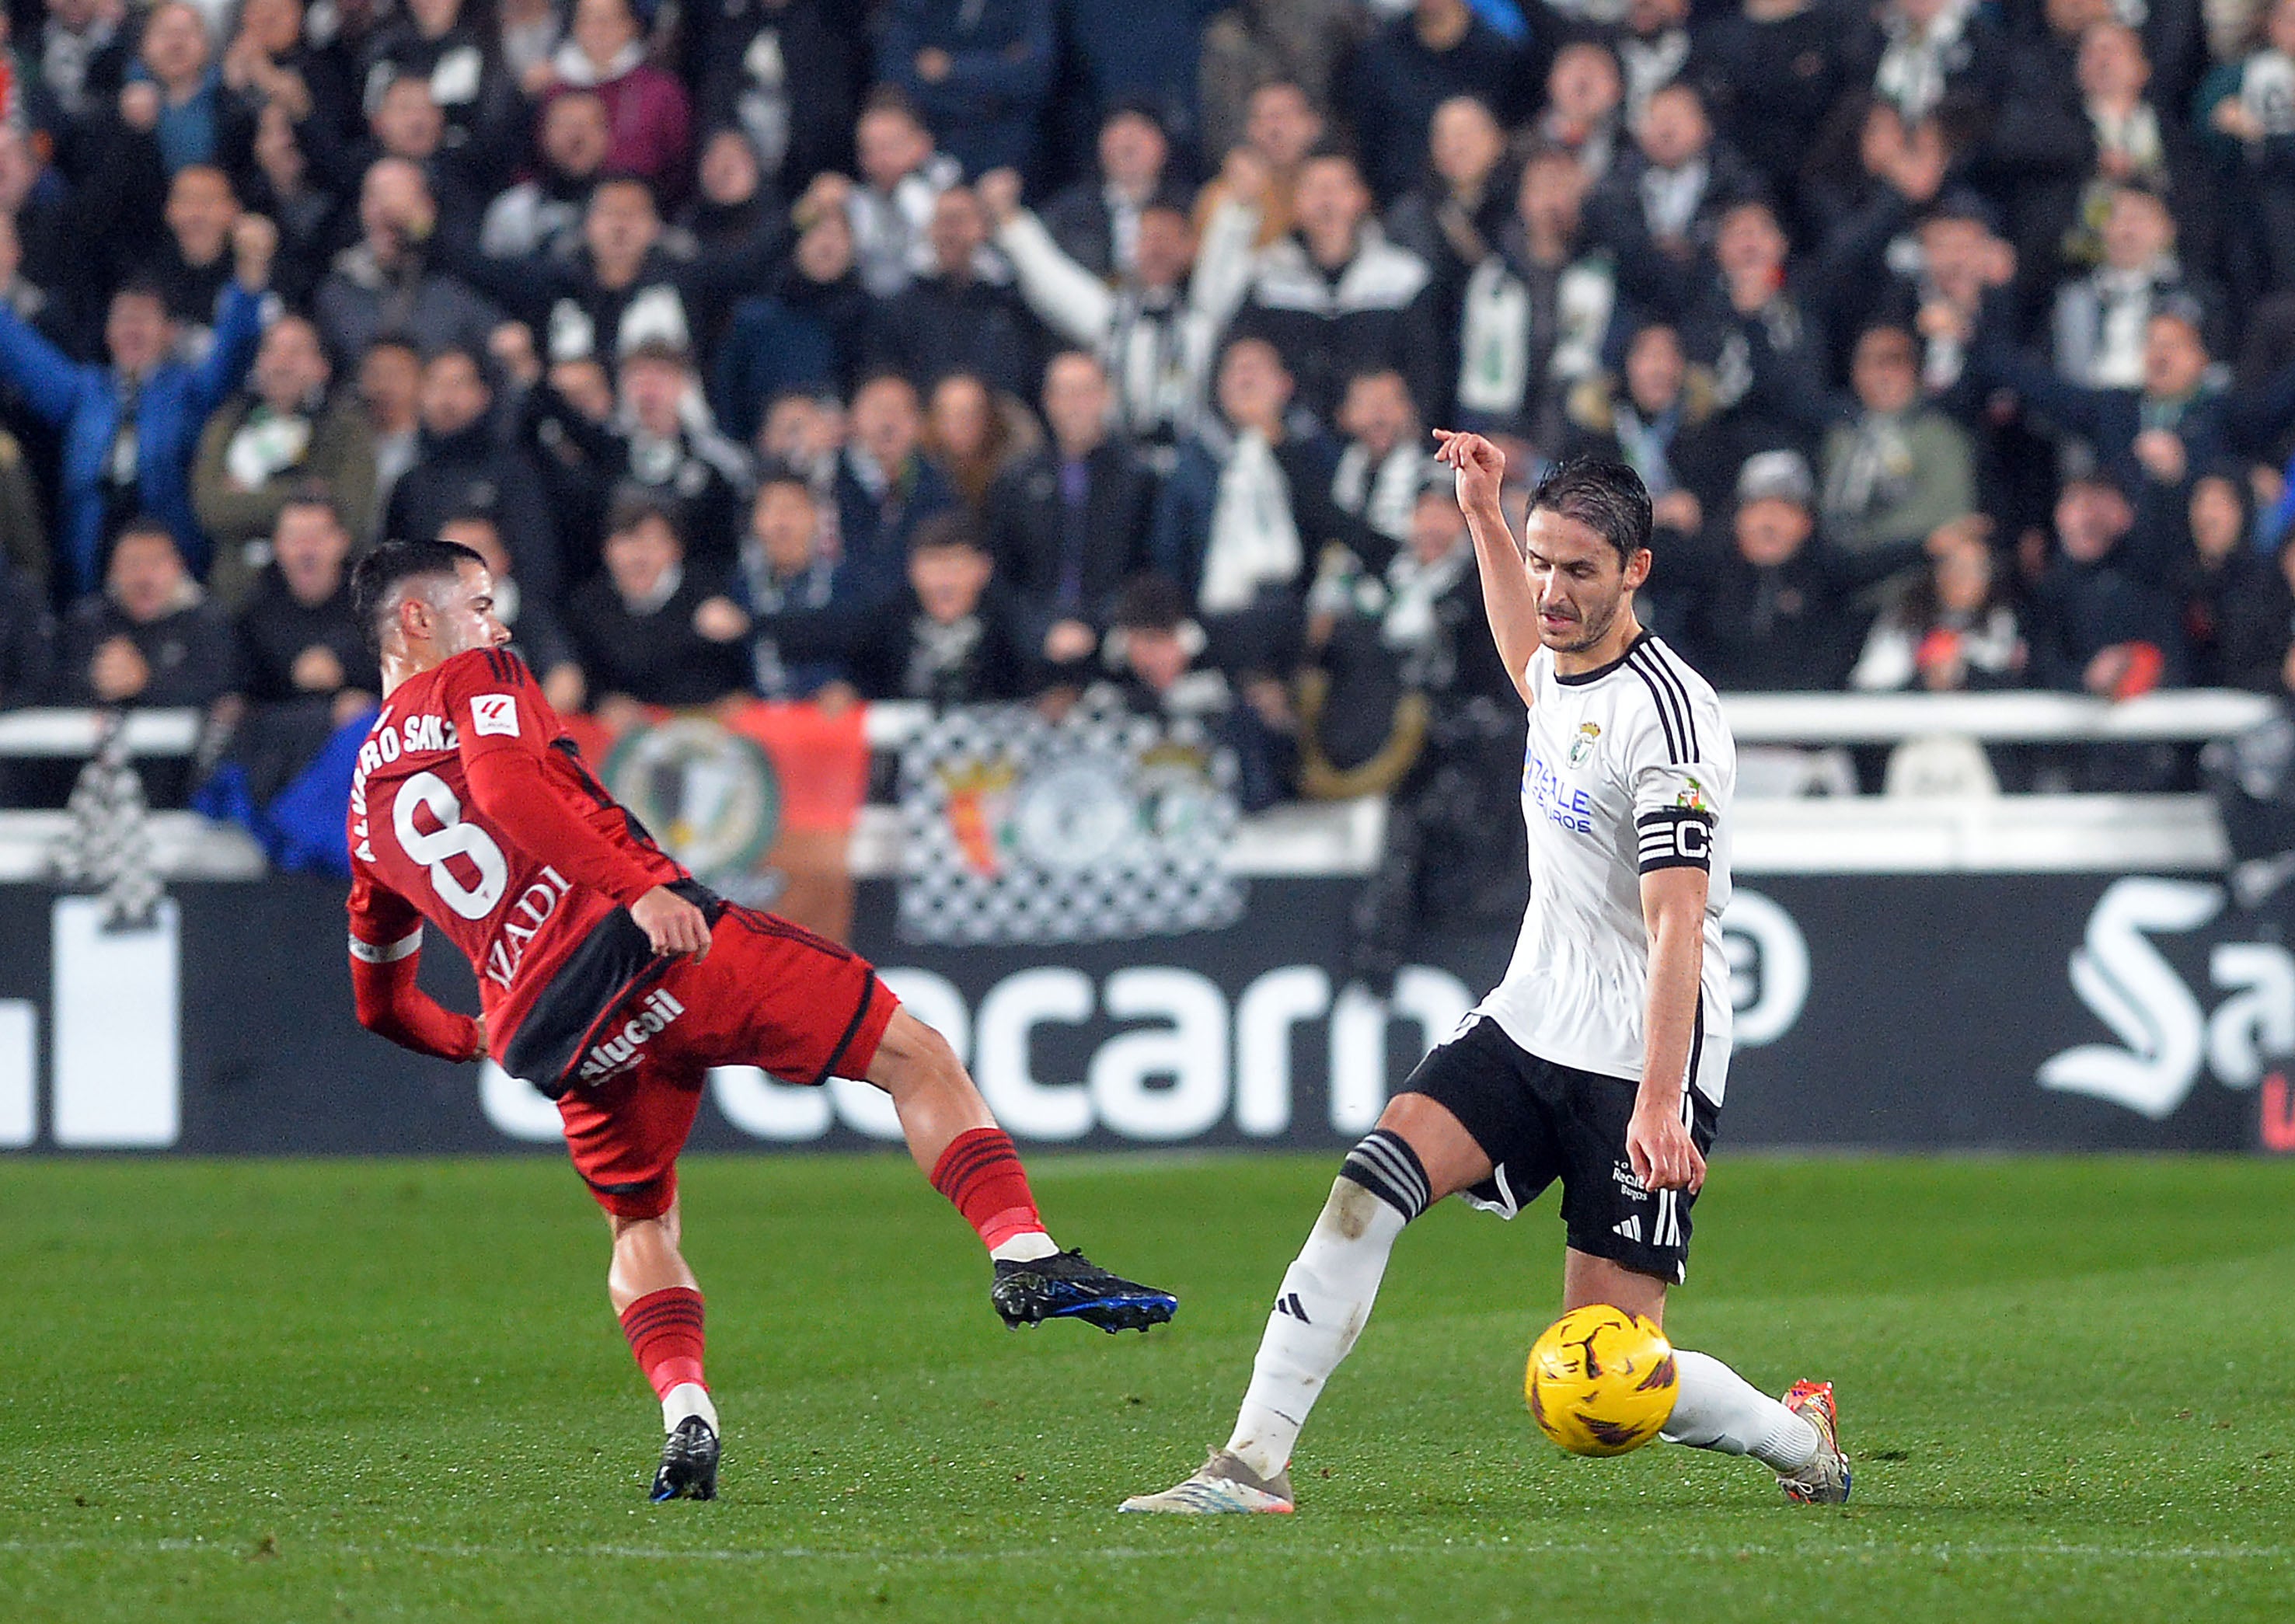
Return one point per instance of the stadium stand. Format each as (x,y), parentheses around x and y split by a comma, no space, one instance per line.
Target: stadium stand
(1957,343)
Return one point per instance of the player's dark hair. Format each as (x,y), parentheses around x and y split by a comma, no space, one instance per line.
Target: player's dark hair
(1608,498)
(376,578)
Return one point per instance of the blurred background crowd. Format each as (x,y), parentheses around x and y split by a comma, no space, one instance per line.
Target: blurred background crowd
(960,350)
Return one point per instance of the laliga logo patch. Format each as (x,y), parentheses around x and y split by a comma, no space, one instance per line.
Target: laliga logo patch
(1583,746)
(495,713)
(1693,797)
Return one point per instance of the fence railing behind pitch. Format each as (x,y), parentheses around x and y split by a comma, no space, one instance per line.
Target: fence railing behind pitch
(1776,833)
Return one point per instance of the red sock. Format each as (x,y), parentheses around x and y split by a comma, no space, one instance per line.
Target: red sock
(981,1175)
(664,1332)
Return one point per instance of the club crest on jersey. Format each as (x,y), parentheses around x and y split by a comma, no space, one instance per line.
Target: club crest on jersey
(1582,748)
(495,713)
(619,1052)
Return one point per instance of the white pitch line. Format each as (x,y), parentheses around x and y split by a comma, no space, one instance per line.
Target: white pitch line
(1945,1551)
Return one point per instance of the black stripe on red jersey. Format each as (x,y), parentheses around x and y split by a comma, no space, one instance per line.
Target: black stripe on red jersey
(614,964)
(599,793)
(851,1030)
(786,930)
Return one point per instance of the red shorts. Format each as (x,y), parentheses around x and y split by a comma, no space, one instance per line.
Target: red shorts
(770,994)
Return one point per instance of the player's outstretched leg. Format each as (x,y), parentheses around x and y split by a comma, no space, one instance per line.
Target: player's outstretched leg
(1797,1438)
(1319,1311)
(971,1160)
(1715,1408)
(659,1303)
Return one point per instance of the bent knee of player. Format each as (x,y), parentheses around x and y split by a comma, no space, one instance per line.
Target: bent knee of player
(639,1234)
(1452,1159)
(911,1057)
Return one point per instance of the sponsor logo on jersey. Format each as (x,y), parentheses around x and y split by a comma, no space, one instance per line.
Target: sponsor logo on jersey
(620,1052)
(532,910)
(1556,802)
(495,713)
(1581,748)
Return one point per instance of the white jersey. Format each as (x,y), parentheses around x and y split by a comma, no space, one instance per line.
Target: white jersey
(1629,767)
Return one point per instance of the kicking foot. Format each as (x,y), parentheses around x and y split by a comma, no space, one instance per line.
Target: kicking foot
(1824,1481)
(688,1464)
(1069,1285)
(1221,1484)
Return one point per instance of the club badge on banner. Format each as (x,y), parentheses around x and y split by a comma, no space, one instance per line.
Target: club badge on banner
(758,800)
(1103,826)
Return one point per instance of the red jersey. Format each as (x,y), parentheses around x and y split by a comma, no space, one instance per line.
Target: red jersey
(472,810)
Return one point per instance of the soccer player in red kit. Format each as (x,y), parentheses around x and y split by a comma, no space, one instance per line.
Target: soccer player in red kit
(612,981)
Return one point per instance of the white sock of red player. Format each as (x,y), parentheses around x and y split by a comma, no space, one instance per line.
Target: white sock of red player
(1716,1408)
(687,1399)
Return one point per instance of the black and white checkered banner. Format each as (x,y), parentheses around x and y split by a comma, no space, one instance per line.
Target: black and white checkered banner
(1104,826)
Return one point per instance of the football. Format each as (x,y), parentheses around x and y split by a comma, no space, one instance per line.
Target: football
(1601,1381)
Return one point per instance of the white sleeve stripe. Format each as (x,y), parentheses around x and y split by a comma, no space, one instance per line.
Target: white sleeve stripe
(388,952)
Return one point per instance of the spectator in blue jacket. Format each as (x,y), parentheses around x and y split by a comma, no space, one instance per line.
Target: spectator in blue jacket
(979,74)
(885,486)
(131,429)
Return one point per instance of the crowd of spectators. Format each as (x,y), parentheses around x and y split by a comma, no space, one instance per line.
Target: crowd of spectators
(946,350)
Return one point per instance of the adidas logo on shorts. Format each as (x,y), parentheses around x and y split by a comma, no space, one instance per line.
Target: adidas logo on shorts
(620,1052)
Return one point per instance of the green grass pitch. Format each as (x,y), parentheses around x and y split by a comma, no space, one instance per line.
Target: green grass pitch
(353,1390)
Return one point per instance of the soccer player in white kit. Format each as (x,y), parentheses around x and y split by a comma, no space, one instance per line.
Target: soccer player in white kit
(1600,1059)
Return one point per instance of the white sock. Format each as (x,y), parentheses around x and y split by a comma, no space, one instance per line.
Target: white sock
(687,1399)
(1325,1298)
(1025,1247)
(1716,1408)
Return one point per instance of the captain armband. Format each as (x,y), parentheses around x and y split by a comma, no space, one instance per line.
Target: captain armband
(1675,838)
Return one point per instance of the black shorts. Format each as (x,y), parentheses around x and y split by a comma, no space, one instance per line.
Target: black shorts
(1539,1121)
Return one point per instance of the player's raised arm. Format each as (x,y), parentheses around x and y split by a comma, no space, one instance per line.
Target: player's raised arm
(1507,596)
(386,950)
